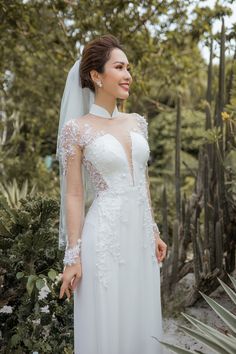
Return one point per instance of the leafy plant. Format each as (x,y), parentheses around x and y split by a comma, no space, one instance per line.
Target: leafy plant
(219,342)
(13,193)
(30,265)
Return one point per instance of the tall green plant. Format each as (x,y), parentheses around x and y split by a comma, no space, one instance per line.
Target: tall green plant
(219,342)
(13,193)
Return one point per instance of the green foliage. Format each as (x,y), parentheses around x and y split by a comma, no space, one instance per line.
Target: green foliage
(162,141)
(222,343)
(13,193)
(30,262)
(40,40)
(31,170)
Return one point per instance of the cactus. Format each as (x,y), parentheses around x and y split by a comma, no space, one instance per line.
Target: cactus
(219,246)
(206,218)
(166,279)
(196,258)
(206,202)
(209,77)
(177,160)
(175,253)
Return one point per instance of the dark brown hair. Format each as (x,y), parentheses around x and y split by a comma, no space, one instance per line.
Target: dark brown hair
(95,55)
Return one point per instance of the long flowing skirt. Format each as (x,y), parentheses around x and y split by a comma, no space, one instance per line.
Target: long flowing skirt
(117,303)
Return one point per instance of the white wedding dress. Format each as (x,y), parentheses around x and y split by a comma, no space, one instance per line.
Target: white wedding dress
(117,303)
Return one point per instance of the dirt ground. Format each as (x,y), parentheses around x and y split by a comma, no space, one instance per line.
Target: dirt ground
(202,311)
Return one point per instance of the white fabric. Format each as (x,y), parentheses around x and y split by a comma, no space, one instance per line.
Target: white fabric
(102,112)
(75,103)
(117,303)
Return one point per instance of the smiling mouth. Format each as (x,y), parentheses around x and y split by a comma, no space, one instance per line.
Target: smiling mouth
(125,86)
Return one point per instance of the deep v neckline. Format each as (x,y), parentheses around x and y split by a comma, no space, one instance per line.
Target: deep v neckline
(91,135)
(130,166)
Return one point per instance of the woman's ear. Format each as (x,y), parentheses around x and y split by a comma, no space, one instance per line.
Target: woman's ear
(94,76)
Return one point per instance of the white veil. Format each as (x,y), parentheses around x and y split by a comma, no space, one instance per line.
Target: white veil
(76,102)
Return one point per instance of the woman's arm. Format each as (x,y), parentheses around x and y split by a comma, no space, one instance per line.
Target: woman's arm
(155,227)
(143,126)
(71,161)
(74,203)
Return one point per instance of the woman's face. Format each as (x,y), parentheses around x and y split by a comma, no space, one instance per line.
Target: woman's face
(116,79)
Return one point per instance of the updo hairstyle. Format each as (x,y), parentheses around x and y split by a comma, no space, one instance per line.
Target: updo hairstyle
(94,57)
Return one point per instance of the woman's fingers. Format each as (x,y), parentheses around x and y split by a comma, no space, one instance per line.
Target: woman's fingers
(158,255)
(162,256)
(65,289)
(76,280)
(62,290)
(68,293)
(70,278)
(161,251)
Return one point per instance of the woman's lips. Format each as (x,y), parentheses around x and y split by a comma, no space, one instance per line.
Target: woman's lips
(125,87)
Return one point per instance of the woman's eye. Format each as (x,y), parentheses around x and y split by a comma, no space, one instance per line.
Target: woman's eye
(120,67)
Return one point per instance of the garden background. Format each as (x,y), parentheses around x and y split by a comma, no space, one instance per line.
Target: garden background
(189,100)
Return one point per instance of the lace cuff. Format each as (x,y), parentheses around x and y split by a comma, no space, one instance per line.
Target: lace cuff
(72,254)
(156,230)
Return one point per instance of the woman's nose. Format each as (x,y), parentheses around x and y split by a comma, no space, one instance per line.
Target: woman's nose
(128,75)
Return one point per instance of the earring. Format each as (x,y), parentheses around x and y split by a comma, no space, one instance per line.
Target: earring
(99,84)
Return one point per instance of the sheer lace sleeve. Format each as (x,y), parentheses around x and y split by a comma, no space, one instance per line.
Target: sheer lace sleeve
(154,224)
(143,126)
(73,193)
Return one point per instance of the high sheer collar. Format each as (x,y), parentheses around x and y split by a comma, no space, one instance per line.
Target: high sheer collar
(102,112)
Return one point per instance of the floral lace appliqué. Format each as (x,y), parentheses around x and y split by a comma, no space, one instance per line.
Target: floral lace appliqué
(99,183)
(68,140)
(108,238)
(142,124)
(75,136)
(79,135)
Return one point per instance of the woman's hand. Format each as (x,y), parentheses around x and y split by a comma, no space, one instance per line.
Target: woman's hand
(161,248)
(70,278)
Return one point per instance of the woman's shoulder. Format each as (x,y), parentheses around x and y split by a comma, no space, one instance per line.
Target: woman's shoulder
(74,125)
(71,132)
(133,115)
(141,122)
(139,117)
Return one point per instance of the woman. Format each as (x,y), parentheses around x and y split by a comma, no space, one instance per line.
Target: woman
(113,252)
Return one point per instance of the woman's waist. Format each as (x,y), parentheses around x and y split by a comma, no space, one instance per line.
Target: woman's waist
(125,198)
(122,190)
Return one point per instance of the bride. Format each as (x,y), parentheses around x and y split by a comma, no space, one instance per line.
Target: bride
(113,251)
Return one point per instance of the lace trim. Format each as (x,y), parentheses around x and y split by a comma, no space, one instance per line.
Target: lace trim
(108,238)
(72,136)
(143,124)
(95,176)
(68,140)
(108,242)
(72,254)
(89,134)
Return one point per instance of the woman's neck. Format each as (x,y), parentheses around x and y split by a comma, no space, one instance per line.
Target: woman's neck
(100,111)
(109,106)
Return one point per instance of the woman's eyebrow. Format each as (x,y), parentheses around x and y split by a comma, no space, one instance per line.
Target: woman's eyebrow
(121,62)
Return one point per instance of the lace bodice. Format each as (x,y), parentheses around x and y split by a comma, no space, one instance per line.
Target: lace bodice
(114,153)
(86,131)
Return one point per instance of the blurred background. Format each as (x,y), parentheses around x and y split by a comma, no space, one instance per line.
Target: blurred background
(183,64)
